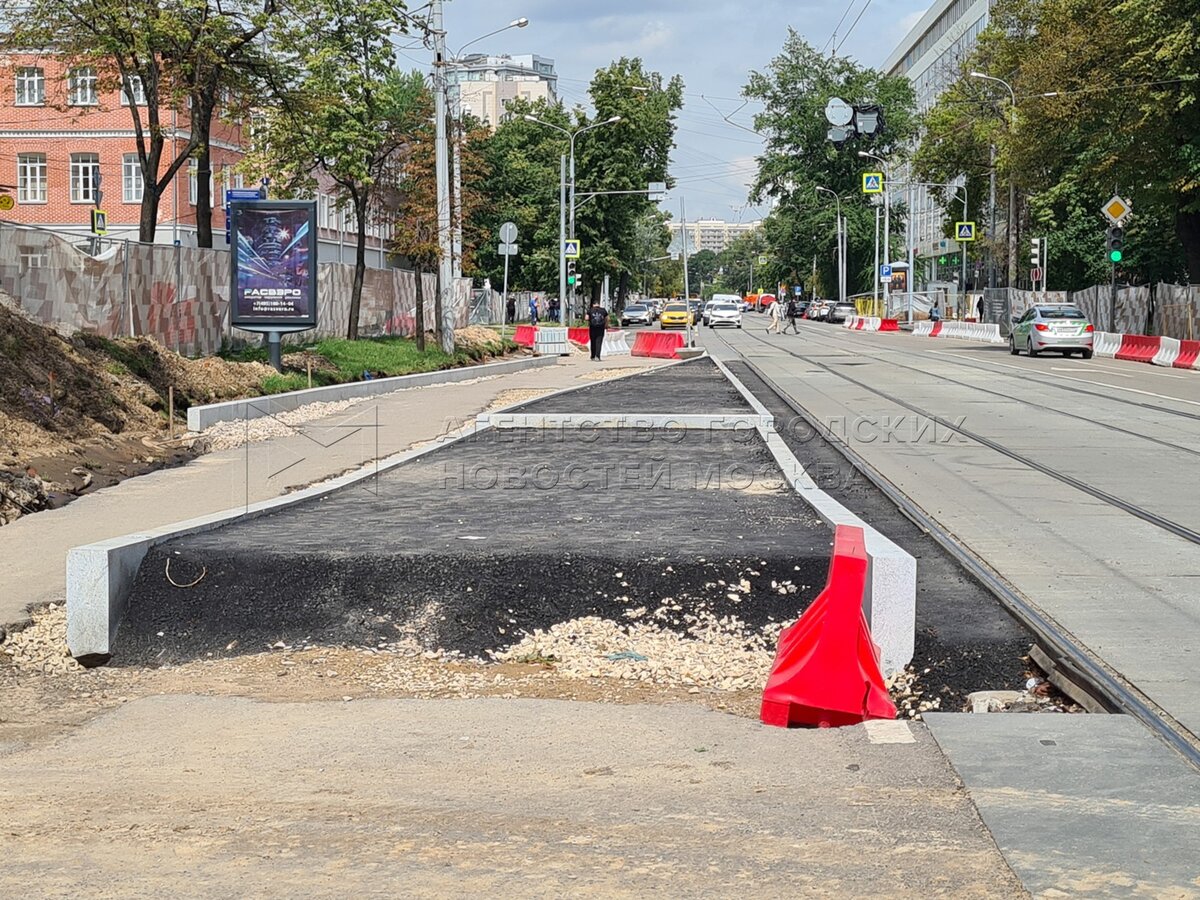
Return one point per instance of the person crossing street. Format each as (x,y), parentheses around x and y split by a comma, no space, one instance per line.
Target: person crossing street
(773,314)
(793,313)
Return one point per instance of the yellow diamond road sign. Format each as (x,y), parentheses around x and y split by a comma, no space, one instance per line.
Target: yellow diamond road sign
(1116,209)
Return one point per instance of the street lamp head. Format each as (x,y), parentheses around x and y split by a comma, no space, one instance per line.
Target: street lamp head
(614,120)
(864,154)
(977,75)
(518,23)
(528,118)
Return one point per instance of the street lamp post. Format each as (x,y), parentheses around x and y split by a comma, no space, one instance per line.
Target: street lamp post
(1012,183)
(571,135)
(442,175)
(452,63)
(841,286)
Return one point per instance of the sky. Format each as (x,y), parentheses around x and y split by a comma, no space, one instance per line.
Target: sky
(712,45)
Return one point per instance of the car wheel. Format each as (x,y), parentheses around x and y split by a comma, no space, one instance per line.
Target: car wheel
(1012,346)
(1032,352)
(739,324)
(1087,354)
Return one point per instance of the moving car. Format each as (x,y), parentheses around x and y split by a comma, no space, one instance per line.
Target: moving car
(724,313)
(704,311)
(676,315)
(1056,326)
(840,312)
(637,314)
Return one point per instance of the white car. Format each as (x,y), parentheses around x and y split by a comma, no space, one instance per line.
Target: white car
(724,314)
(705,309)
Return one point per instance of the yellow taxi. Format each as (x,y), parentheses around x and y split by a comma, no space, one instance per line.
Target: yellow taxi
(676,315)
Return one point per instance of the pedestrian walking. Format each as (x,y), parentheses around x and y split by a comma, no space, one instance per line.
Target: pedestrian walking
(793,313)
(934,314)
(597,323)
(533,318)
(773,314)
(510,310)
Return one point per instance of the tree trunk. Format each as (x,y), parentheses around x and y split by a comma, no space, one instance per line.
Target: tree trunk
(201,127)
(360,265)
(437,310)
(419,317)
(1187,227)
(203,188)
(596,286)
(622,291)
(148,219)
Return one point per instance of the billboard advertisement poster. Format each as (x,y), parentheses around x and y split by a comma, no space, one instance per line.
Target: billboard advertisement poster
(274,263)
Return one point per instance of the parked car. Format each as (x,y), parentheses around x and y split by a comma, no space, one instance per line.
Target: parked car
(802,308)
(705,310)
(1058,326)
(819,310)
(725,314)
(840,312)
(676,315)
(636,314)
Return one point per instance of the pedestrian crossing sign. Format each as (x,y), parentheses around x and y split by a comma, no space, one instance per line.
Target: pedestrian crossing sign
(965,231)
(872,183)
(571,249)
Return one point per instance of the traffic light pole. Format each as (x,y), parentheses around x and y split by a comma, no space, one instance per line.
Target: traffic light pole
(562,239)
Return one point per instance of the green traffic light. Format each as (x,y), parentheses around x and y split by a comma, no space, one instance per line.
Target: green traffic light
(1114,256)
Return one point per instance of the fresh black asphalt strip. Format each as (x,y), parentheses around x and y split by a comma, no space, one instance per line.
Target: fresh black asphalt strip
(471,546)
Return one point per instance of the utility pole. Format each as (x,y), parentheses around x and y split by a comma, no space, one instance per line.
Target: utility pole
(992,217)
(442,169)
(687,299)
(562,239)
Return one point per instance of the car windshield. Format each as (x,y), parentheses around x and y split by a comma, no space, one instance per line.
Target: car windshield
(676,307)
(635,307)
(1061,312)
(726,307)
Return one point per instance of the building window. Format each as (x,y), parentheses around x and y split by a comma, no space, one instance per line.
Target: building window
(81,87)
(31,178)
(193,169)
(32,258)
(83,166)
(133,89)
(322,210)
(31,86)
(132,185)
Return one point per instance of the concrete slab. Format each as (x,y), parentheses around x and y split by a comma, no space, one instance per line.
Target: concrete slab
(183,796)
(203,417)
(1080,805)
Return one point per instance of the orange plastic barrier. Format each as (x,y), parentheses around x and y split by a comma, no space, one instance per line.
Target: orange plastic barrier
(579,336)
(525,335)
(826,671)
(658,344)
(1138,347)
(937,328)
(1188,353)
(889,324)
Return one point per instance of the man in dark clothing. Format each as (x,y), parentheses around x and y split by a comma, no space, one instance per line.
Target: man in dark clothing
(511,310)
(793,313)
(597,322)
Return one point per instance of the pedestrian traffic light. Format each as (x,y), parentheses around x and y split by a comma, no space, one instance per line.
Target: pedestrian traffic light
(1116,244)
(1035,252)
(571,272)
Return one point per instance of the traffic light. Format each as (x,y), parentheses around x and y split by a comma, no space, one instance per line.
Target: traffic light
(1035,252)
(571,273)
(1116,244)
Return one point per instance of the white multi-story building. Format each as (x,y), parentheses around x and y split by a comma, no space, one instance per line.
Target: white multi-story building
(931,57)
(707,234)
(483,85)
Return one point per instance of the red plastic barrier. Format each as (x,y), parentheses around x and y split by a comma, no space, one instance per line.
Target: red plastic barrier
(937,328)
(826,671)
(525,335)
(579,336)
(1189,351)
(665,344)
(642,343)
(1138,347)
(889,324)
(858,324)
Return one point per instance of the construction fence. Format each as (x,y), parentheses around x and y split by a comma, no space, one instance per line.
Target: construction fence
(180,295)
(1164,310)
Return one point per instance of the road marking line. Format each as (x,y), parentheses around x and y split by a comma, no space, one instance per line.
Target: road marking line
(1119,387)
(1076,369)
(888,731)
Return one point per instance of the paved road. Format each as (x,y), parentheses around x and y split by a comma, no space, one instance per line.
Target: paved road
(1124,586)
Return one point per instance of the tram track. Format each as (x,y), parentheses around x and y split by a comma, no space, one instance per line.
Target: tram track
(1071,658)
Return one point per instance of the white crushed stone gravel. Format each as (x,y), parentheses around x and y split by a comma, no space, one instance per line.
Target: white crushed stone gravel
(41,648)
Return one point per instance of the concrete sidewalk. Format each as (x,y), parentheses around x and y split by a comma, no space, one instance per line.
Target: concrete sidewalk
(34,548)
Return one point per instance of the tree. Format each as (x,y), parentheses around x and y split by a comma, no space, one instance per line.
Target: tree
(341,108)
(702,266)
(794,89)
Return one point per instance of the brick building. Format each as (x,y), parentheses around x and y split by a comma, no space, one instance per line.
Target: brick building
(59,123)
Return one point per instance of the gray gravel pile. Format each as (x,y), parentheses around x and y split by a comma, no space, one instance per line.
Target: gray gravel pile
(20,494)
(41,648)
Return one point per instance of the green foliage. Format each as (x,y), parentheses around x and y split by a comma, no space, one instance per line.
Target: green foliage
(794,89)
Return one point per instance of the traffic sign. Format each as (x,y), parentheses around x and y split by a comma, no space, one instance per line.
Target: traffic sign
(7,202)
(1116,209)
(507,250)
(99,221)
(839,112)
(885,271)
(964,231)
(508,233)
(1035,275)
(872,183)
(571,248)
(656,191)
(233,194)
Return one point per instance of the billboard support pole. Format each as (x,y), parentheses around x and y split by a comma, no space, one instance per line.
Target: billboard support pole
(275,349)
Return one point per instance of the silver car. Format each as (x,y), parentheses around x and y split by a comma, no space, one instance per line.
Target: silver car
(724,314)
(636,314)
(1052,326)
